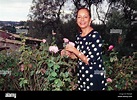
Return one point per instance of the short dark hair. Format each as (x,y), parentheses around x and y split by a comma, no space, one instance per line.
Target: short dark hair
(85,9)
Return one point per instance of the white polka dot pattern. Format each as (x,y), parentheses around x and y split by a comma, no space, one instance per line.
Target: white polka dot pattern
(91,46)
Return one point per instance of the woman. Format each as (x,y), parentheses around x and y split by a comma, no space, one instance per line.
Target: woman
(88,48)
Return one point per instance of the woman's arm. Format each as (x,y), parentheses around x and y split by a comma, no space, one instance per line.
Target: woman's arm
(80,55)
(68,53)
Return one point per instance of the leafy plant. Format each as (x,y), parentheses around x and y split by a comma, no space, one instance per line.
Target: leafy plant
(45,69)
(42,68)
(119,71)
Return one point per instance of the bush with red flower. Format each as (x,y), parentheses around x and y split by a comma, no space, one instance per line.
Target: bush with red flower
(48,68)
(41,69)
(119,70)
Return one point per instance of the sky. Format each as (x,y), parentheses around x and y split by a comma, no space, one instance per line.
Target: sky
(14,10)
(18,10)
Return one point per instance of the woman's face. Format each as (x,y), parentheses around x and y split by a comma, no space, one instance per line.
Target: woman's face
(83,19)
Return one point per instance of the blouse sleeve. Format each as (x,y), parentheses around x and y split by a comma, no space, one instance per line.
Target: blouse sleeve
(95,48)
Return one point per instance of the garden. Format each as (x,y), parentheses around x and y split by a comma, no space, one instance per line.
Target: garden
(43,68)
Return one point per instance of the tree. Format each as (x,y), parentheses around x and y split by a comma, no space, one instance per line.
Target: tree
(121,16)
(45,17)
(10,29)
(85,3)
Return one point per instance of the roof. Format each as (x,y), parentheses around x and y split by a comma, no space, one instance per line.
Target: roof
(13,41)
(13,38)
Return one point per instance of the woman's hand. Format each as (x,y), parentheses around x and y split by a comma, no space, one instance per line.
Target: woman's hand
(77,53)
(65,53)
(70,48)
(72,56)
(68,53)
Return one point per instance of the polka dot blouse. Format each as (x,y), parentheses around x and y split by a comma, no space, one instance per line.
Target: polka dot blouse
(91,77)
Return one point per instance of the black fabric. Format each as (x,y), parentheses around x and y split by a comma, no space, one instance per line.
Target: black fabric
(91,77)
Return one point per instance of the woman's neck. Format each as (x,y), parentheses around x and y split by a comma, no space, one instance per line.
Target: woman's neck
(86,31)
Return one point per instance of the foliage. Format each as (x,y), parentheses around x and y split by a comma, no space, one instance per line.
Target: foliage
(49,71)
(42,68)
(119,70)
(45,16)
(8,69)
(10,29)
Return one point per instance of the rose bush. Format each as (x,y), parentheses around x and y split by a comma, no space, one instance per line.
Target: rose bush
(119,70)
(43,68)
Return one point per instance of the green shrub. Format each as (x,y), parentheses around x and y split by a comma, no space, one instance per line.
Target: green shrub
(42,68)
(119,71)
